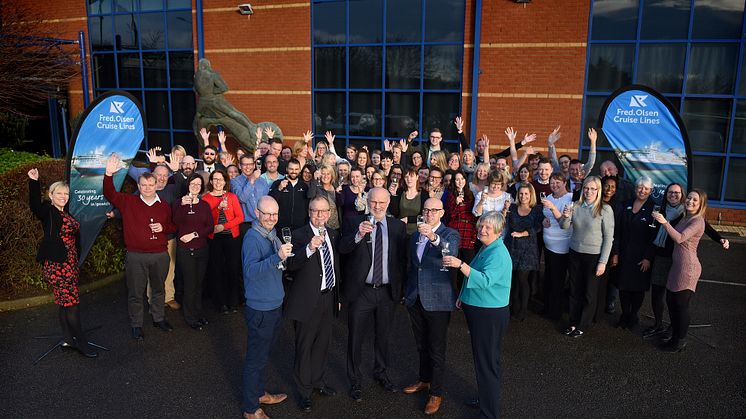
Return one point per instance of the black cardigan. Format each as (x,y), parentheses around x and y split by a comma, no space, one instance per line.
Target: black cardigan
(52,247)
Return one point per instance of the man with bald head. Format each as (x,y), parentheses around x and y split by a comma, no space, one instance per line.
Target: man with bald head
(264,258)
(430,297)
(375,250)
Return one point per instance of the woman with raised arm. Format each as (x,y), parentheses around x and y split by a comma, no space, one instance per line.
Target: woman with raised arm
(58,254)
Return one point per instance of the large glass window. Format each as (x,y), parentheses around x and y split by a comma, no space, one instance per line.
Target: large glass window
(145,47)
(692,51)
(385,68)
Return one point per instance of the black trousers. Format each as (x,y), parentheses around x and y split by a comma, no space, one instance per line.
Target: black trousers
(519,294)
(225,269)
(430,329)
(631,301)
(555,274)
(583,288)
(312,339)
(678,310)
(487,327)
(658,302)
(192,263)
(601,293)
(372,305)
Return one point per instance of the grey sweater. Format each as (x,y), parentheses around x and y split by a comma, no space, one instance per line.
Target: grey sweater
(590,235)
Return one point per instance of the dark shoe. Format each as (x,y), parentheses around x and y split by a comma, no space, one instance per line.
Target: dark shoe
(653,332)
(386,384)
(610,309)
(433,405)
(414,388)
(64,346)
(306,404)
(622,323)
(224,309)
(674,347)
(327,391)
(137,333)
(576,333)
(196,326)
(272,398)
(473,403)
(163,325)
(203,321)
(86,350)
(568,331)
(356,393)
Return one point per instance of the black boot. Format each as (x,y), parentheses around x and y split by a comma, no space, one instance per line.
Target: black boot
(67,336)
(72,314)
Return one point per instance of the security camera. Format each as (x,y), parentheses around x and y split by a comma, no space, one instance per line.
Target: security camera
(245,9)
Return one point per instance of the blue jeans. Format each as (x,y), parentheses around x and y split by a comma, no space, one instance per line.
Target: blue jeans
(262,332)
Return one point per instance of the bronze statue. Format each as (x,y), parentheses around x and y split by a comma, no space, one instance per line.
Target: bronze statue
(213,109)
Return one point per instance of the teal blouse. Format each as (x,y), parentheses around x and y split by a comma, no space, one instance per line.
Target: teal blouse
(488,284)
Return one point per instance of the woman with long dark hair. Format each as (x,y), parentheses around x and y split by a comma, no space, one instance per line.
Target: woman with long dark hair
(459,217)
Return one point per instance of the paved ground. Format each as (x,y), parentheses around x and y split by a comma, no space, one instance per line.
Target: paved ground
(607,373)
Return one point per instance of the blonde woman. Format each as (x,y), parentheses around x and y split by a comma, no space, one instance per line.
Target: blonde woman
(592,224)
(438,159)
(480,178)
(468,162)
(323,185)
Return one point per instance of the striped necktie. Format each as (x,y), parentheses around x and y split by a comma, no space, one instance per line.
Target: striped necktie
(328,266)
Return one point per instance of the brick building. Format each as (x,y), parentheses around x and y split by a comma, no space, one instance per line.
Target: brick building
(372,69)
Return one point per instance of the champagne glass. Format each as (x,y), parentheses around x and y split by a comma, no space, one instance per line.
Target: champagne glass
(287,237)
(191,200)
(258,165)
(507,204)
(420,221)
(656,208)
(322,234)
(445,251)
(152,232)
(372,220)
(543,195)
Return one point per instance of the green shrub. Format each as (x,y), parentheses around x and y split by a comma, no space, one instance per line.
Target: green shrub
(10,159)
(107,253)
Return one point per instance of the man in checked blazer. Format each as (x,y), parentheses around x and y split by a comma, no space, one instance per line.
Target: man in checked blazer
(430,297)
(313,299)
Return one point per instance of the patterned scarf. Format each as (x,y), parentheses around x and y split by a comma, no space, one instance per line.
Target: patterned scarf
(672,213)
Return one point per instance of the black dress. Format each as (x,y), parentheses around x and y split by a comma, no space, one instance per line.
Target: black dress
(524,250)
(634,238)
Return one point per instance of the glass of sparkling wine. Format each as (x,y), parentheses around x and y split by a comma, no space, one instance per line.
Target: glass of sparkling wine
(287,237)
(152,232)
(445,251)
(420,221)
(372,221)
(191,200)
(656,208)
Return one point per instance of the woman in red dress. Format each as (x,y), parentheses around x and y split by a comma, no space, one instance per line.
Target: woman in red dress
(58,253)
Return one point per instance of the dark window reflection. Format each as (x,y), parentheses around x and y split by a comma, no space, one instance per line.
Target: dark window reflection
(402,114)
(712,68)
(443,67)
(365,67)
(403,67)
(738,144)
(182,68)
(100,32)
(188,141)
(159,139)
(151,4)
(736,188)
(156,109)
(365,114)
(125,5)
(707,123)
(127,28)
(719,19)
(129,70)
(329,67)
(742,82)
(665,19)
(707,175)
(675,102)
(371,144)
(593,106)
(329,112)
(610,67)
(329,23)
(404,21)
(439,110)
(183,108)
(180,30)
(152,31)
(154,69)
(444,21)
(99,6)
(179,4)
(104,71)
(614,19)
(137,95)
(366,21)
(661,66)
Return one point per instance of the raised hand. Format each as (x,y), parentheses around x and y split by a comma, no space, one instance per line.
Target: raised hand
(153,154)
(205,134)
(258,134)
(33,174)
(592,135)
(174,163)
(329,137)
(221,138)
(229,160)
(413,135)
(487,141)
(112,164)
(270,133)
(510,133)
(307,136)
(554,136)
(528,138)
(386,145)
(459,124)
(404,145)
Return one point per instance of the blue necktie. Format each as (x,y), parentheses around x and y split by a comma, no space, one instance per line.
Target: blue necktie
(378,256)
(328,267)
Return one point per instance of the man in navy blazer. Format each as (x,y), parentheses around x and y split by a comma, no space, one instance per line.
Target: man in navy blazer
(375,255)
(430,297)
(313,299)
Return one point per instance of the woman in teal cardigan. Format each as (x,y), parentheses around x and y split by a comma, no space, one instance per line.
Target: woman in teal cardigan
(484,299)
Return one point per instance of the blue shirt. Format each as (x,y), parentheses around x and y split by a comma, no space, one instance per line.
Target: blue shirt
(262,279)
(488,284)
(249,194)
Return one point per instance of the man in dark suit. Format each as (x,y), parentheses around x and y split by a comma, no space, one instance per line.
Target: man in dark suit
(313,299)
(209,161)
(430,297)
(376,255)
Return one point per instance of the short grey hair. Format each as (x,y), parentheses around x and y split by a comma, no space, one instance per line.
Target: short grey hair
(494,219)
(644,181)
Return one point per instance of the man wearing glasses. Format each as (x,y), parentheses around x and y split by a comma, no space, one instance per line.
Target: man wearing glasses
(249,186)
(209,161)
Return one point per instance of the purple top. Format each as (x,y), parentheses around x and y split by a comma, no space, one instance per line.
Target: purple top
(201,222)
(346,202)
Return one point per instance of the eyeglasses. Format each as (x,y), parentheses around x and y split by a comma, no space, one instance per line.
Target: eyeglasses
(674,193)
(435,177)
(320,211)
(268,214)
(436,137)
(431,210)
(209,154)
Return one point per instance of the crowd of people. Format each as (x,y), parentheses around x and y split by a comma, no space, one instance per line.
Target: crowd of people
(295,231)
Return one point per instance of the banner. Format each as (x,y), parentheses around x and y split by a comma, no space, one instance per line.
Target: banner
(113,123)
(648,137)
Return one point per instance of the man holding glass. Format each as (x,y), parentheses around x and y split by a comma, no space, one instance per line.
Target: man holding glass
(374,247)
(430,297)
(313,299)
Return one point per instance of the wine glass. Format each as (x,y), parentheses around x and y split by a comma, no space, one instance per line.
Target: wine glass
(191,200)
(322,234)
(152,232)
(543,195)
(656,208)
(372,220)
(420,221)
(507,204)
(445,251)
(287,237)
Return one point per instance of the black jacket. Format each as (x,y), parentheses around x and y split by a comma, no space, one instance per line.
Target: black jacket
(293,204)
(52,247)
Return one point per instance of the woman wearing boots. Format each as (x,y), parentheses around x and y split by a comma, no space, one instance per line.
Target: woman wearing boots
(58,254)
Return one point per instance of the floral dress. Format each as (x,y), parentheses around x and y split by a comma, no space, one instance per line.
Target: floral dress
(63,276)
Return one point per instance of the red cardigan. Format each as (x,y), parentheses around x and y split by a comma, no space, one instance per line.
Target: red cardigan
(233,213)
